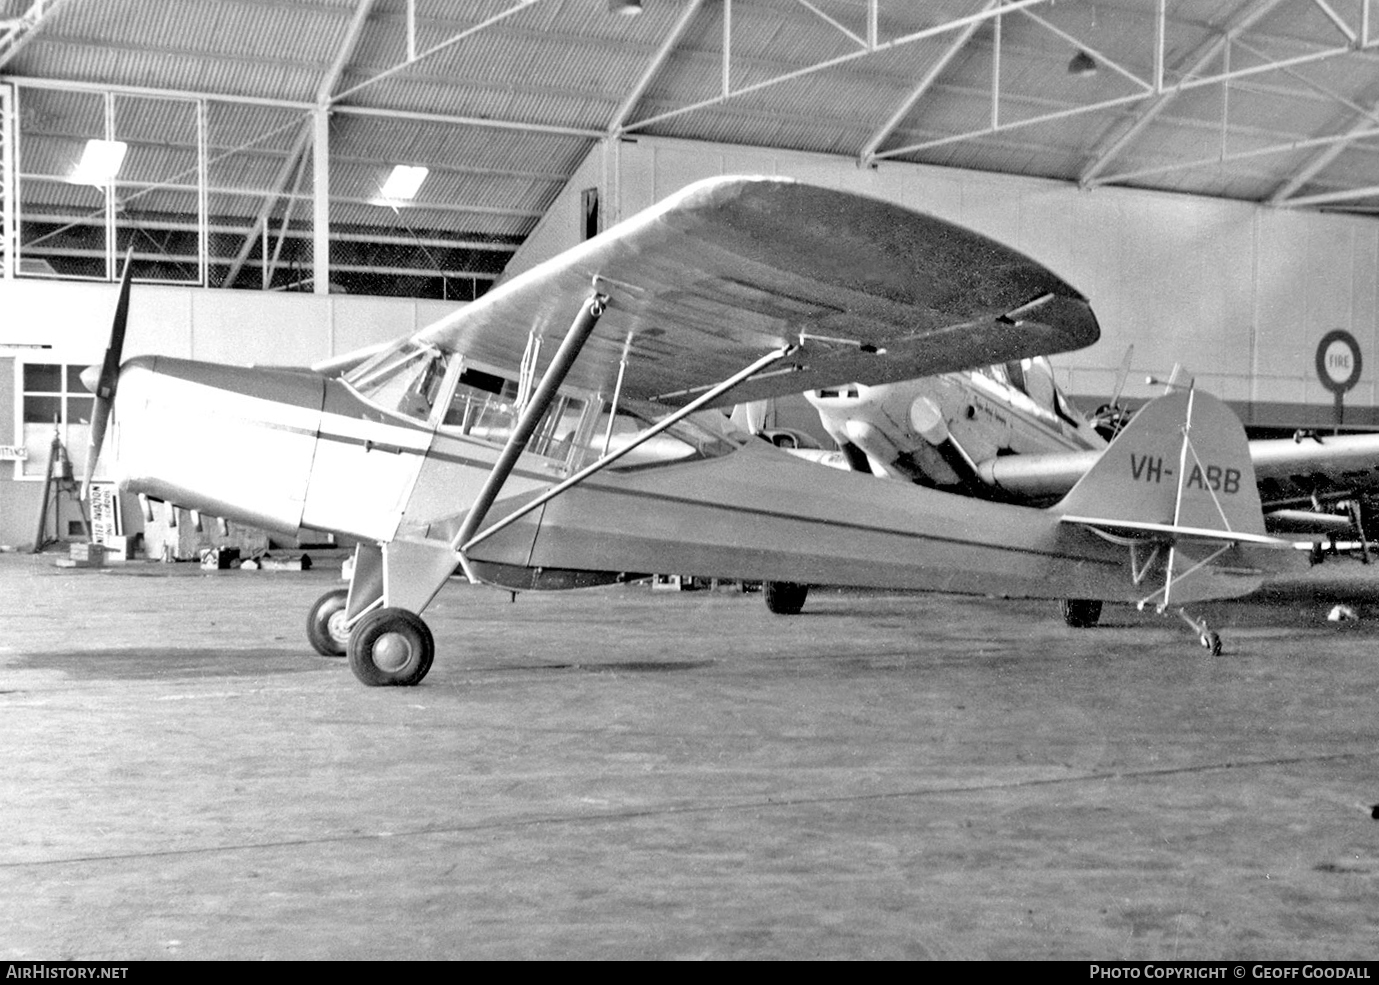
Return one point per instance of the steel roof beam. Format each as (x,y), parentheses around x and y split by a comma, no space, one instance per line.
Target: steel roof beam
(1186,84)
(1205,54)
(22,29)
(289,164)
(1362,127)
(653,69)
(444,119)
(1336,19)
(867,154)
(346,51)
(956,24)
(237,229)
(284,175)
(1330,198)
(1216,159)
(857,39)
(414,57)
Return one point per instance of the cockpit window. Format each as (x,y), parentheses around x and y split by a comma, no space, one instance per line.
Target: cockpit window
(484,405)
(406,378)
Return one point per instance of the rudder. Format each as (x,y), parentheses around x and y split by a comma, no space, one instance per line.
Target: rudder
(1183,462)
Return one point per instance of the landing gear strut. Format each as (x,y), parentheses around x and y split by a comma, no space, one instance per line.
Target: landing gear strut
(391,647)
(325,624)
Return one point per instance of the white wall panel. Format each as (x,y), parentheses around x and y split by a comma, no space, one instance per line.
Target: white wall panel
(226,329)
(241,327)
(1364,279)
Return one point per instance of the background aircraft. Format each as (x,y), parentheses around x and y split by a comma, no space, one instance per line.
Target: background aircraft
(1007,433)
(493,443)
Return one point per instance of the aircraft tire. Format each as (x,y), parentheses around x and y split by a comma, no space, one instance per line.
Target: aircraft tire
(1080,613)
(784,598)
(325,624)
(391,648)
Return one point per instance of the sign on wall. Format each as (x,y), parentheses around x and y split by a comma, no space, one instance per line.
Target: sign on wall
(1338,366)
(13,453)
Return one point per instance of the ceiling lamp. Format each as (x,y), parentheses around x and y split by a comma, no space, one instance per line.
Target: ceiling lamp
(1082,65)
(402,185)
(628,8)
(99,163)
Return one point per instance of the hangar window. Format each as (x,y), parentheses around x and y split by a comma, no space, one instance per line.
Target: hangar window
(54,402)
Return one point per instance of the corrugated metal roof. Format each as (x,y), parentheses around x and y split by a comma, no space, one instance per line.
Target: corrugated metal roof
(529,68)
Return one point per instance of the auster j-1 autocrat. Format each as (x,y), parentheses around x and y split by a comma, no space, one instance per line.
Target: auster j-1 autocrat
(493,444)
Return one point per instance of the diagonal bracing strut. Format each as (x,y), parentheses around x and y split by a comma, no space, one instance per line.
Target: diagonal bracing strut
(464,538)
(536,407)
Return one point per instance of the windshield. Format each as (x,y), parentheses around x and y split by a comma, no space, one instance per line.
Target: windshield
(406,378)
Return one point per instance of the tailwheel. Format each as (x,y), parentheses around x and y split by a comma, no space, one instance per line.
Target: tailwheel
(784,598)
(1080,613)
(325,624)
(391,647)
(1210,641)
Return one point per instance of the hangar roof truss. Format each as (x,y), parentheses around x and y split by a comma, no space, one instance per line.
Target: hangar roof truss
(1273,101)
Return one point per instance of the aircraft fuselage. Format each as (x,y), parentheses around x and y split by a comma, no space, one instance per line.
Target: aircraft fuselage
(290,451)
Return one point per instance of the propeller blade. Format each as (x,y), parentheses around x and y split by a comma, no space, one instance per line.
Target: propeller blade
(1122,374)
(103,386)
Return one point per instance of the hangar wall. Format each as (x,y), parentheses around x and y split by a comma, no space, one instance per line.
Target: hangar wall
(67,323)
(1239,293)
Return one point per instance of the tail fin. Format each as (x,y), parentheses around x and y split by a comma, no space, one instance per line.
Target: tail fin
(1181,467)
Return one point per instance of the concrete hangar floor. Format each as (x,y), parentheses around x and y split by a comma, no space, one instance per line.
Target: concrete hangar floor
(621,773)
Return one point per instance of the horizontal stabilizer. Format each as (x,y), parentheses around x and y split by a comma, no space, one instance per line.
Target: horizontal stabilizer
(1180,469)
(1136,530)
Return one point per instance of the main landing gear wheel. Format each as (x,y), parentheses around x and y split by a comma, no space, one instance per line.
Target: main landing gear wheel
(325,624)
(391,647)
(784,598)
(1080,613)
(1211,642)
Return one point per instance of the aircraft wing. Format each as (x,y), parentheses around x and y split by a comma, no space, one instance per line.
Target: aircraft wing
(1292,471)
(729,269)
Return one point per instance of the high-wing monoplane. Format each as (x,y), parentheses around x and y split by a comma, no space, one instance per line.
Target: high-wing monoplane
(550,434)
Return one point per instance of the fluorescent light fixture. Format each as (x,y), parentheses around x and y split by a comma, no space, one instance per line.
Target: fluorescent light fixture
(403,183)
(628,8)
(99,163)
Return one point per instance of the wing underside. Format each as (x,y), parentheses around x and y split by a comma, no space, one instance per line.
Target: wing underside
(730,268)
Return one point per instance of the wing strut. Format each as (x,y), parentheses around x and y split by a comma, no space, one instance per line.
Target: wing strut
(537,405)
(467,541)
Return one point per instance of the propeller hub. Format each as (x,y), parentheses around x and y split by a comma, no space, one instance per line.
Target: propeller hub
(91,378)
